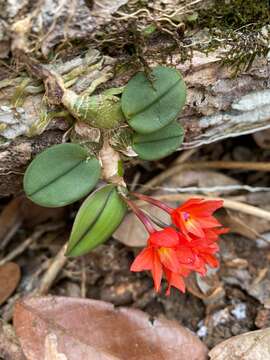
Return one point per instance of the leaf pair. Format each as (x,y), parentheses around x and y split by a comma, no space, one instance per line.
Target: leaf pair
(63,174)
(151,106)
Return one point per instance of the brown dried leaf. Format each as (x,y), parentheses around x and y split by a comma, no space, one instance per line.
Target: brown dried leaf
(34,214)
(80,329)
(10,218)
(21,210)
(10,348)
(246,225)
(202,179)
(262,138)
(10,275)
(253,345)
(208,288)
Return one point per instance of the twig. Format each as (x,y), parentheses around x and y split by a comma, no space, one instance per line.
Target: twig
(183,157)
(229,165)
(229,204)
(83,278)
(50,275)
(10,234)
(211,189)
(35,236)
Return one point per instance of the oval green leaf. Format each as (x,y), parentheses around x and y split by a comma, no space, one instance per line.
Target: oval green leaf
(98,218)
(61,175)
(158,144)
(149,106)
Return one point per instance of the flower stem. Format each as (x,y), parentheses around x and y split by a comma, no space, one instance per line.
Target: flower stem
(154,202)
(141,216)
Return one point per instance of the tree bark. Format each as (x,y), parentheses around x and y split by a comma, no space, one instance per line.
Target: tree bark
(219,104)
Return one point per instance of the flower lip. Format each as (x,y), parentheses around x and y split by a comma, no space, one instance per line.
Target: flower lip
(186,216)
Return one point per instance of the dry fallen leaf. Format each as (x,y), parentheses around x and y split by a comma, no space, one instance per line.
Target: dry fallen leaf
(51,352)
(202,179)
(10,348)
(208,288)
(262,138)
(10,218)
(21,210)
(80,329)
(10,275)
(132,232)
(254,345)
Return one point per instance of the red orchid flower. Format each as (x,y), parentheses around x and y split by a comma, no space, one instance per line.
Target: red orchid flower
(160,256)
(192,217)
(174,252)
(203,249)
(195,215)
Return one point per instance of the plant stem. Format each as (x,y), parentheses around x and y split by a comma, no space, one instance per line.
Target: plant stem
(141,216)
(154,202)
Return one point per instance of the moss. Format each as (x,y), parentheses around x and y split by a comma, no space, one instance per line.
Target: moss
(234,14)
(238,26)
(232,24)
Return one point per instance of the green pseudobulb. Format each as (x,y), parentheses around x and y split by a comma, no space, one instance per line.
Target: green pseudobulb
(100,111)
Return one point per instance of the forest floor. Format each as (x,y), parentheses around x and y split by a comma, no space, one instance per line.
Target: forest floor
(231,301)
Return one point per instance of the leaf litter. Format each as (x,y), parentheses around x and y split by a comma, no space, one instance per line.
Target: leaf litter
(211,305)
(88,329)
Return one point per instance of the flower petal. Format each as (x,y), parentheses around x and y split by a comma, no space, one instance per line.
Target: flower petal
(187,226)
(185,255)
(169,259)
(207,207)
(157,272)
(190,203)
(210,260)
(167,237)
(174,280)
(193,226)
(144,261)
(208,222)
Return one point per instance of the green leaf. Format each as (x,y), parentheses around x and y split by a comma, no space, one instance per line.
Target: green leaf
(149,106)
(61,175)
(158,144)
(98,218)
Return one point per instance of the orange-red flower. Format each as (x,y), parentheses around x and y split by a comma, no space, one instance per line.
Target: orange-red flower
(190,246)
(203,249)
(195,216)
(160,256)
(169,252)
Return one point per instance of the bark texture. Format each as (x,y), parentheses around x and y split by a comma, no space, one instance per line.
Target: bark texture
(219,104)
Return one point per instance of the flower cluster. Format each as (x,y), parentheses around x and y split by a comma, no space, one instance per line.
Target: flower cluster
(189,244)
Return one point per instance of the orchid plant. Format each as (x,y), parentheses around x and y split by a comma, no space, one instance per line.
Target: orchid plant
(140,119)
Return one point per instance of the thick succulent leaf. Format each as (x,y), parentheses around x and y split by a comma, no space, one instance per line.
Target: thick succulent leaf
(151,105)
(99,216)
(160,143)
(61,175)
